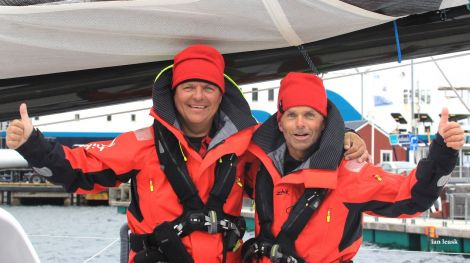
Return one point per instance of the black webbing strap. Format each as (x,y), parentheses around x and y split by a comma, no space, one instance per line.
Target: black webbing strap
(264,202)
(224,179)
(163,245)
(196,215)
(175,170)
(298,219)
(171,160)
(282,246)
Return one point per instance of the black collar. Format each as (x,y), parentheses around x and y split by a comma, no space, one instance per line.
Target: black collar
(325,154)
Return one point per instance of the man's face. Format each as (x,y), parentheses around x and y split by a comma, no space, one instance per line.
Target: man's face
(197,103)
(301,127)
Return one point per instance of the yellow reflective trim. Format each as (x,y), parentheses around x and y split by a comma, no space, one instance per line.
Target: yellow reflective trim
(225,75)
(161,72)
(237,245)
(234,83)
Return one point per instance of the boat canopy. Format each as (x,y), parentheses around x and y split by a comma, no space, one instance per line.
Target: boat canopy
(65,55)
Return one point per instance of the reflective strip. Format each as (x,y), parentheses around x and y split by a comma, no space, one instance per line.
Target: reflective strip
(161,72)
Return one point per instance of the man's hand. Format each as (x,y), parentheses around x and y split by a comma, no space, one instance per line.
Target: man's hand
(452,132)
(355,148)
(19,131)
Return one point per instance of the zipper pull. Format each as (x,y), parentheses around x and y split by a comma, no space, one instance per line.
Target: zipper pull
(239,182)
(151,185)
(182,152)
(378,177)
(328,216)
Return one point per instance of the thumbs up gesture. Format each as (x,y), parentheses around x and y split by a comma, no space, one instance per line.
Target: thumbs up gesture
(19,131)
(452,132)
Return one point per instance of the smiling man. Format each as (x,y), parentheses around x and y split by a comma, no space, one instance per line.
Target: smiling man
(197,102)
(309,200)
(187,170)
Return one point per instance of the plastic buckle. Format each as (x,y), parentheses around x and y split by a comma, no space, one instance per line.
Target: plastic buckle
(229,225)
(265,248)
(179,229)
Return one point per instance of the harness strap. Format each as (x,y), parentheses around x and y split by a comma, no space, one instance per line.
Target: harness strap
(171,160)
(282,247)
(299,217)
(196,216)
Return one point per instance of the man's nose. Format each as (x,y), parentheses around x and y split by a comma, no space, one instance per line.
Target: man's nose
(300,122)
(198,93)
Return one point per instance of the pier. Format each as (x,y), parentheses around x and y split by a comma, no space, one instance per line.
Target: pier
(419,234)
(18,193)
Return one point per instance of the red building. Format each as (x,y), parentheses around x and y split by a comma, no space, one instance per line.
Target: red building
(383,150)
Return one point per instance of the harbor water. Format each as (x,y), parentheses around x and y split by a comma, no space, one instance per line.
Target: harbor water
(84,234)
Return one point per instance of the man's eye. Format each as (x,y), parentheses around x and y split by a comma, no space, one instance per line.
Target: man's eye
(310,115)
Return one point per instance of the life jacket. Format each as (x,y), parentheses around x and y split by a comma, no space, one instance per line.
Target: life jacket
(164,243)
(269,146)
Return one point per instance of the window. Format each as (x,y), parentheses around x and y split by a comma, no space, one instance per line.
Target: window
(132,117)
(386,155)
(270,94)
(77,117)
(109,117)
(254,94)
(36,118)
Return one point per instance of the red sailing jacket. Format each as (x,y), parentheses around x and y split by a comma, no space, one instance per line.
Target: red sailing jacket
(132,155)
(334,232)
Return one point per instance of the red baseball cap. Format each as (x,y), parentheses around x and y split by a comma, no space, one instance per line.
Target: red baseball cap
(301,89)
(199,62)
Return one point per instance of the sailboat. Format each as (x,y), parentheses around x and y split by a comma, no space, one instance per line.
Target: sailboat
(68,55)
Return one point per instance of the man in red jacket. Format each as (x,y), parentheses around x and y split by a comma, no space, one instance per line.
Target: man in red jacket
(309,200)
(187,170)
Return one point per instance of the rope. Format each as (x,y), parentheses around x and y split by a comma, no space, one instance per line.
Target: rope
(74,237)
(450,84)
(102,250)
(307,58)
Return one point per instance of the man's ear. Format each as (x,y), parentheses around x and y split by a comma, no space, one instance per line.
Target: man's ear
(280,127)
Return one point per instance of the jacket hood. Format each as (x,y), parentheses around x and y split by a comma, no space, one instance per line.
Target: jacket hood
(330,148)
(234,113)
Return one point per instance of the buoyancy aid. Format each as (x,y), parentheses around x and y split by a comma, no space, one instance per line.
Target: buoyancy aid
(268,139)
(164,243)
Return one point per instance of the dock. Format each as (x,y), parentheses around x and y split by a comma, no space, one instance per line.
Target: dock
(18,193)
(418,234)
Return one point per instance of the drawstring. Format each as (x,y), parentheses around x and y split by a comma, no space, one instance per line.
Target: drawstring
(182,152)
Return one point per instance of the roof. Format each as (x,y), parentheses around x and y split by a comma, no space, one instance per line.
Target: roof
(358,125)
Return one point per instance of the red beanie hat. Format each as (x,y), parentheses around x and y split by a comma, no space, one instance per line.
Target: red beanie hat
(199,62)
(301,89)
